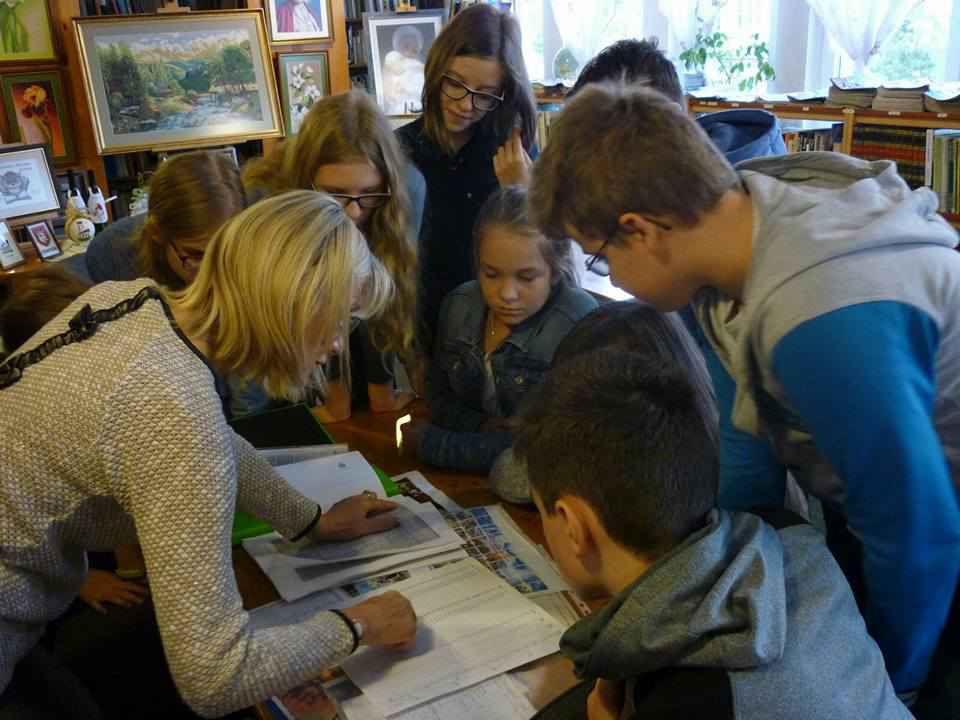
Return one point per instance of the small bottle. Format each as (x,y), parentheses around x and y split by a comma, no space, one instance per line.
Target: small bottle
(97,207)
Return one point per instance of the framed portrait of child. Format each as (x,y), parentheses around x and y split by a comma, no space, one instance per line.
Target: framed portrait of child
(293,21)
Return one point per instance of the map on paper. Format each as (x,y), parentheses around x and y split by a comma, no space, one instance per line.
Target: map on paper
(412,531)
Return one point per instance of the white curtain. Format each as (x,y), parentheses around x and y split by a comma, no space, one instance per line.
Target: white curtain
(860,27)
(686,18)
(586,28)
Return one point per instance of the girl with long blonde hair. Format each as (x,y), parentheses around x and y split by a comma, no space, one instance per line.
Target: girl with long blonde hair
(346,147)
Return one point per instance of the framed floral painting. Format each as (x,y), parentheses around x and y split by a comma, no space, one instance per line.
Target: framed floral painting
(304,79)
(26,33)
(37,112)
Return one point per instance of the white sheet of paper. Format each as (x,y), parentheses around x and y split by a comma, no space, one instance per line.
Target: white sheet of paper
(292,586)
(330,479)
(499,698)
(290,455)
(472,626)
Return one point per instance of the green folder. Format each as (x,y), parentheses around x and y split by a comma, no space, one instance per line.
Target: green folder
(291,426)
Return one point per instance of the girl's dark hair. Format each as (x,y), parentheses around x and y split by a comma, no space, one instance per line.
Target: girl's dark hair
(507,208)
(482,31)
(34,299)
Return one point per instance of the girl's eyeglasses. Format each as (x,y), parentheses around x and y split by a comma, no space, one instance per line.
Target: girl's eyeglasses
(597,262)
(187,259)
(368,201)
(456,90)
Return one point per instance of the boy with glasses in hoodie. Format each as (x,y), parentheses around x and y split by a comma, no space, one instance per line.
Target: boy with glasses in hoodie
(714,614)
(828,290)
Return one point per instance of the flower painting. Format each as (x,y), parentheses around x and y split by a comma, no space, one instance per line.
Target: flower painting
(177,82)
(25,31)
(37,113)
(304,79)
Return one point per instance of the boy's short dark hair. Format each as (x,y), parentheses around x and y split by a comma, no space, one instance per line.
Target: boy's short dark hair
(633,61)
(627,436)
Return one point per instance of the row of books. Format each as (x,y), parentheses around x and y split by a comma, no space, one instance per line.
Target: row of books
(136,7)
(906,146)
(354,8)
(357,45)
(943,167)
(814,140)
(544,120)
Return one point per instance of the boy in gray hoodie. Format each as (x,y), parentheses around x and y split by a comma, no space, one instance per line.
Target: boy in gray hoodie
(829,292)
(714,614)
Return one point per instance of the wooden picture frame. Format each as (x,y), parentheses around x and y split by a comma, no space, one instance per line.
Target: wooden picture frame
(26,33)
(38,112)
(152,84)
(27,185)
(10,255)
(43,239)
(299,21)
(304,79)
(398,45)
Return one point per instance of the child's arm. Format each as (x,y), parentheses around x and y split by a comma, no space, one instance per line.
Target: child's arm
(102,587)
(863,380)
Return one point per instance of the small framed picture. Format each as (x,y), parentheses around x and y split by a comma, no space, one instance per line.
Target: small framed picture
(304,79)
(10,255)
(398,45)
(26,181)
(27,33)
(41,235)
(296,21)
(37,112)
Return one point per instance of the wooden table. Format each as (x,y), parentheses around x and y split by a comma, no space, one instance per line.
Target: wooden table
(374,435)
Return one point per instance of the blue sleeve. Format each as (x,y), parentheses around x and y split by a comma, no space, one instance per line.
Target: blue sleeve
(467,451)
(750,473)
(862,379)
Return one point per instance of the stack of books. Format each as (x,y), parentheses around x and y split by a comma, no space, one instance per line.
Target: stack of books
(904,96)
(944,99)
(850,92)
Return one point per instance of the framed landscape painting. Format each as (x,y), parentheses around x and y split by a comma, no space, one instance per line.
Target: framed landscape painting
(304,79)
(180,81)
(26,33)
(37,112)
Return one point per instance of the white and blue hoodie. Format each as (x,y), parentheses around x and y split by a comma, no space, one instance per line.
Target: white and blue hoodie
(845,350)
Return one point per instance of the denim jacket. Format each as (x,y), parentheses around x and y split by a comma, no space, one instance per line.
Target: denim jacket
(456,377)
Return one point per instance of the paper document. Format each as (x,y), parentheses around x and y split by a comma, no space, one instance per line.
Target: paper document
(330,479)
(289,455)
(414,485)
(499,698)
(472,626)
(296,575)
(414,530)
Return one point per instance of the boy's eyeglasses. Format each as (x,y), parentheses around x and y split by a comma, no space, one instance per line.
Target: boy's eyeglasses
(597,262)
(368,201)
(187,259)
(456,90)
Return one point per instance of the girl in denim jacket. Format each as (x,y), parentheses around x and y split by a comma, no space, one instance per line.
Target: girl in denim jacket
(496,336)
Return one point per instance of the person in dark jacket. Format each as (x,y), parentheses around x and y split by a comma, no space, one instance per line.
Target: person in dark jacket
(714,614)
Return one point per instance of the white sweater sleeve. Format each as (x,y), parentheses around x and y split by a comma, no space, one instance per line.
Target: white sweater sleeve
(171,462)
(267,496)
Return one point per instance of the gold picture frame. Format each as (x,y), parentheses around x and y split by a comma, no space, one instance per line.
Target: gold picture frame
(170,82)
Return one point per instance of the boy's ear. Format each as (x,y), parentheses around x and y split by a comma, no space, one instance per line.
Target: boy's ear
(638,233)
(578,530)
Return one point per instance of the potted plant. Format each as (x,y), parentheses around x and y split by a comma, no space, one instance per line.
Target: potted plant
(742,67)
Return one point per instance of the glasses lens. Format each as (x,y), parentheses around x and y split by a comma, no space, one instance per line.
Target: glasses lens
(370,202)
(452,89)
(485,102)
(598,265)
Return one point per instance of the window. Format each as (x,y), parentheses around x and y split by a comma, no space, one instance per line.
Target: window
(920,49)
(560,36)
